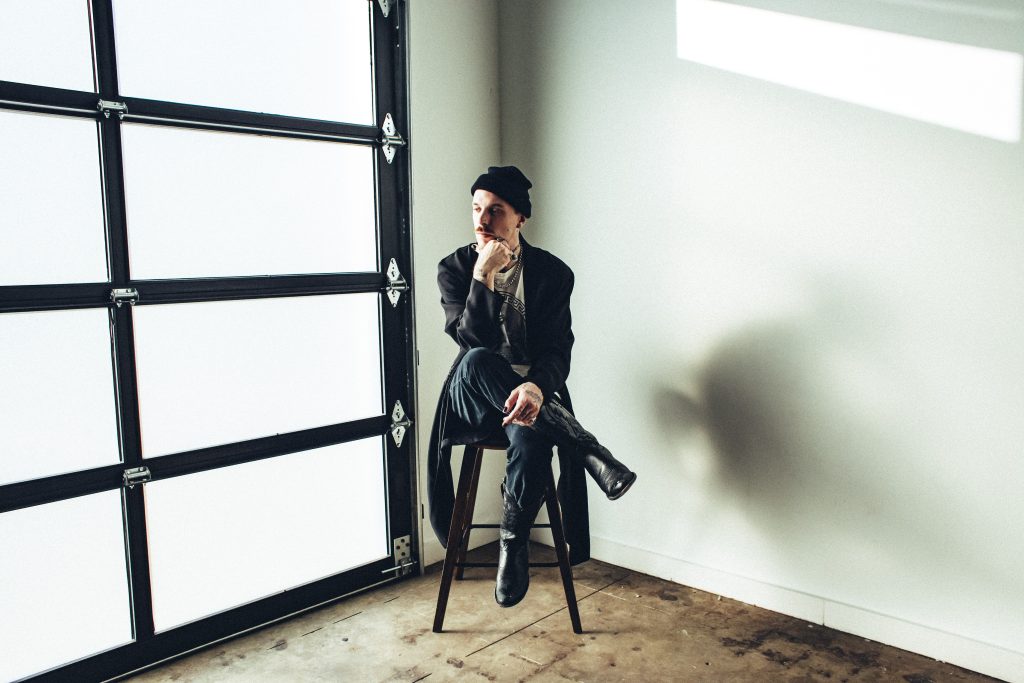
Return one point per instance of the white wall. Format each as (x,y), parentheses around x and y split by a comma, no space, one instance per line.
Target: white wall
(799,320)
(454,136)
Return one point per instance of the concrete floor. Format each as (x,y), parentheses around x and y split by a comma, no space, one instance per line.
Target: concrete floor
(637,628)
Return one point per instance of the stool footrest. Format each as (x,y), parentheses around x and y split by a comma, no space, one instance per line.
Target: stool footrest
(498,526)
(495,564)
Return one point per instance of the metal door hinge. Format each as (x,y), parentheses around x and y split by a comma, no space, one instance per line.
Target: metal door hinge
(396,283)
(385,7)
(107,106)
(389,138)
(399,423)
(137,475)
(402,551)
(119,296)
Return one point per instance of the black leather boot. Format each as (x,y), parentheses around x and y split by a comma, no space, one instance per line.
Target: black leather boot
(513,551)
(559,425)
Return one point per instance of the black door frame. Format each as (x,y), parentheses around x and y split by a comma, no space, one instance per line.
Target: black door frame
(390,92)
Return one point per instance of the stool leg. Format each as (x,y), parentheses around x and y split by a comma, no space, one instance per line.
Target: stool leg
(455,534)
(470,507)
(558,535)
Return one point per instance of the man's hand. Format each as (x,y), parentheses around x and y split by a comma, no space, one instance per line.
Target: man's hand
(491,258)
(523,405)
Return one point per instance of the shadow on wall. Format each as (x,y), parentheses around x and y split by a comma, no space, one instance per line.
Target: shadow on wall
(813,429)
(772,422)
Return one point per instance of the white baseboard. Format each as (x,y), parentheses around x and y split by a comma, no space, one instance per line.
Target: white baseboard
(990,660)
(984,658)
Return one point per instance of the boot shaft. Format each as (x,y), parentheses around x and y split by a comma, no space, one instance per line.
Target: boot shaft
(516,519)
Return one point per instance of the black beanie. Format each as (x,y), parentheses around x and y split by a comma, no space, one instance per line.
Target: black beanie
(509,183)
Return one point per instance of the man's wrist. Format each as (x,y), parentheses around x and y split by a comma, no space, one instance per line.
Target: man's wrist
(487,279)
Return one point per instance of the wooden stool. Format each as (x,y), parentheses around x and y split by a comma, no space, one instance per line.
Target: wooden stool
(462,524)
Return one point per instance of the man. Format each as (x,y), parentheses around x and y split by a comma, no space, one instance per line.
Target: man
(506,305)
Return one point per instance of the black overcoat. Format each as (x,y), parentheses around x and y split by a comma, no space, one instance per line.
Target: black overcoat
(471,319)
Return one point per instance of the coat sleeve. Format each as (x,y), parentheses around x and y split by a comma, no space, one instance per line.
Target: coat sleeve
(470,309)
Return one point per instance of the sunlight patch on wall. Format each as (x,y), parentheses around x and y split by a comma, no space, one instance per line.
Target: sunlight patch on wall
(972,89)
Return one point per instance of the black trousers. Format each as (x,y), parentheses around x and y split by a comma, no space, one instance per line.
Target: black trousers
(480,385)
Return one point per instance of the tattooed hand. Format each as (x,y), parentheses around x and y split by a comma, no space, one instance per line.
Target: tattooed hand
(523,405)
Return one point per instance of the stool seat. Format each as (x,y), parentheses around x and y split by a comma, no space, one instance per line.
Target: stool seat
(462,524)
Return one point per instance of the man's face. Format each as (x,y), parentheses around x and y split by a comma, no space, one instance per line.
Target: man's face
(494,218)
